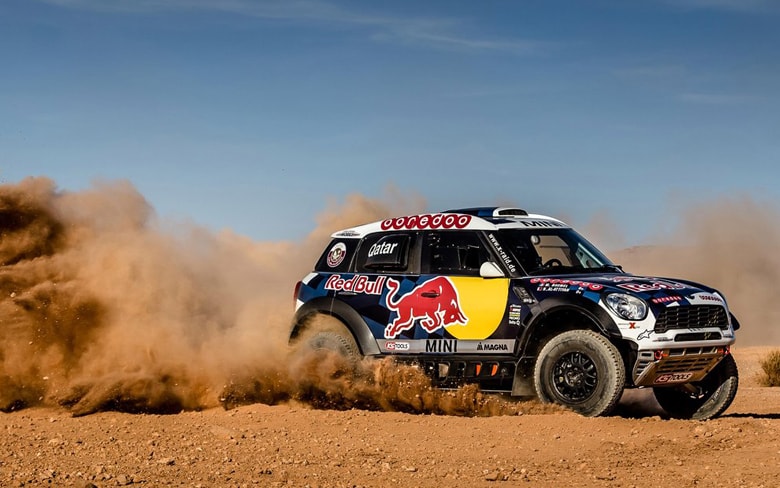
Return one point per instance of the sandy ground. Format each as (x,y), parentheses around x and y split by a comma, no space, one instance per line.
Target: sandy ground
(291,445)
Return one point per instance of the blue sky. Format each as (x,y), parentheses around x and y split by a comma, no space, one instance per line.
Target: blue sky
(252,114)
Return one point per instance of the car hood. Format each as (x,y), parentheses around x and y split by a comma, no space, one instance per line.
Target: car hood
(654,290)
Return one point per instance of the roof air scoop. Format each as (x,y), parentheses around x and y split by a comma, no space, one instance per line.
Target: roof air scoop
(510,212)
(491,211)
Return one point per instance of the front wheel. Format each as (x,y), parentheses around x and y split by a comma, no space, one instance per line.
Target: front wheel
(581,370)
(704,399)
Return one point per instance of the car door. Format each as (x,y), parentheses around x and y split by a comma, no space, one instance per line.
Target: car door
(457,310)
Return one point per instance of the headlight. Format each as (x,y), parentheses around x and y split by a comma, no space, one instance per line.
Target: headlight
(627,306)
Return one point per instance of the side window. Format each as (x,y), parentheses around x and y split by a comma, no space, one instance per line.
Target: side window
(552,247)
(455,253)
(384,253)
(337,256)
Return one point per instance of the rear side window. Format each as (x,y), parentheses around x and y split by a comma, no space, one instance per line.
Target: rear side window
(384,252)
(337,256)
(455,253)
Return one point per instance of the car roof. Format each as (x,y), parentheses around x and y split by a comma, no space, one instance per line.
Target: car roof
(474,218)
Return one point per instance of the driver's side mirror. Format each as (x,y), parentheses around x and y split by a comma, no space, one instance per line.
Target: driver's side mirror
(490,269)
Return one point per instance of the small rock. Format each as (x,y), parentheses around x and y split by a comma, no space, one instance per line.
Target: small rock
(48,474)
(493,476)
(123,480)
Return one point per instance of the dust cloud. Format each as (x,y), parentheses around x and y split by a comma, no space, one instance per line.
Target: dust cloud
(730,244)
(103,308)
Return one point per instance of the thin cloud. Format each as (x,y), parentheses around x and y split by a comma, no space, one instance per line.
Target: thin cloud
(745,6)
(437,33)
(653,72)
(715,99)
(455,43)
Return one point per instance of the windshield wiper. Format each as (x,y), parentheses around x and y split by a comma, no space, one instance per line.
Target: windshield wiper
(615,268)
(611,268)
(556,270)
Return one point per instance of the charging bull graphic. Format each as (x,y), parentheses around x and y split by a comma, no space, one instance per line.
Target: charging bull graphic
(434,303)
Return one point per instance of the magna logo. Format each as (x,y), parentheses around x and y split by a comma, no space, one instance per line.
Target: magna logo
(435,304)
(428,221)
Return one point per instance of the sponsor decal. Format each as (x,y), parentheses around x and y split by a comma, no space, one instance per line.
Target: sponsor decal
(673,378)
(540,223)
(493,346)
(554,284)
(356,284)
(448,346)
(427,221)
(645,334)
(348,233)
(709,298)
(441,345)
(621,279)
(382,249)
(336,254)
(523,294)
(653,285)
(674,298)
(632,325)
(502,254)
(435,303)
(515,315)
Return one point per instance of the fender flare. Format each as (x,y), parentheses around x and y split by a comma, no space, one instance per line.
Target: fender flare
(352,320)
(587,308)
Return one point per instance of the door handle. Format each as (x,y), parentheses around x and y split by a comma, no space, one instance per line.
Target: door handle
(429,294)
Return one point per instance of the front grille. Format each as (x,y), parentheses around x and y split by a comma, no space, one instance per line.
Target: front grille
(691,317)
(697,336)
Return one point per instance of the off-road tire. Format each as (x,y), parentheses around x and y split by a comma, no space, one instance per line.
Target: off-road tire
(329,336)
(715,393)
(580,370)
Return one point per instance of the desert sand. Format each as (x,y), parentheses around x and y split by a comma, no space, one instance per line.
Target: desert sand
(295,445)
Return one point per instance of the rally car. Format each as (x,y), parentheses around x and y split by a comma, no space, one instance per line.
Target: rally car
(520,304)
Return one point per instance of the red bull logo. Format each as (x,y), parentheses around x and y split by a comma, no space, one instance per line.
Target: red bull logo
(435,304)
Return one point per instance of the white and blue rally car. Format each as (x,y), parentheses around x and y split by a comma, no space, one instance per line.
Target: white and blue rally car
(520,304)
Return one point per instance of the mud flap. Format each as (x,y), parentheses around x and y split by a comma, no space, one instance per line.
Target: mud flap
(523,383)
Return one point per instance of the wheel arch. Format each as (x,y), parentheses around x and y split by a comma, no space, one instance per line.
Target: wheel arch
(339,310)
(558,315)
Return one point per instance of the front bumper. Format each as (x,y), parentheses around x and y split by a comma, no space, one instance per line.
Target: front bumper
(676,365)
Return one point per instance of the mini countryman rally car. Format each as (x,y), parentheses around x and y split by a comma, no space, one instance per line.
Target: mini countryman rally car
(519,304)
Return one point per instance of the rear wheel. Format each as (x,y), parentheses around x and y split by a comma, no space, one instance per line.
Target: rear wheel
(581,370)
(326,335)
(704,399)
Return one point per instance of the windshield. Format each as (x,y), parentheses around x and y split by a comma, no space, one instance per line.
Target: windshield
(552,251)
